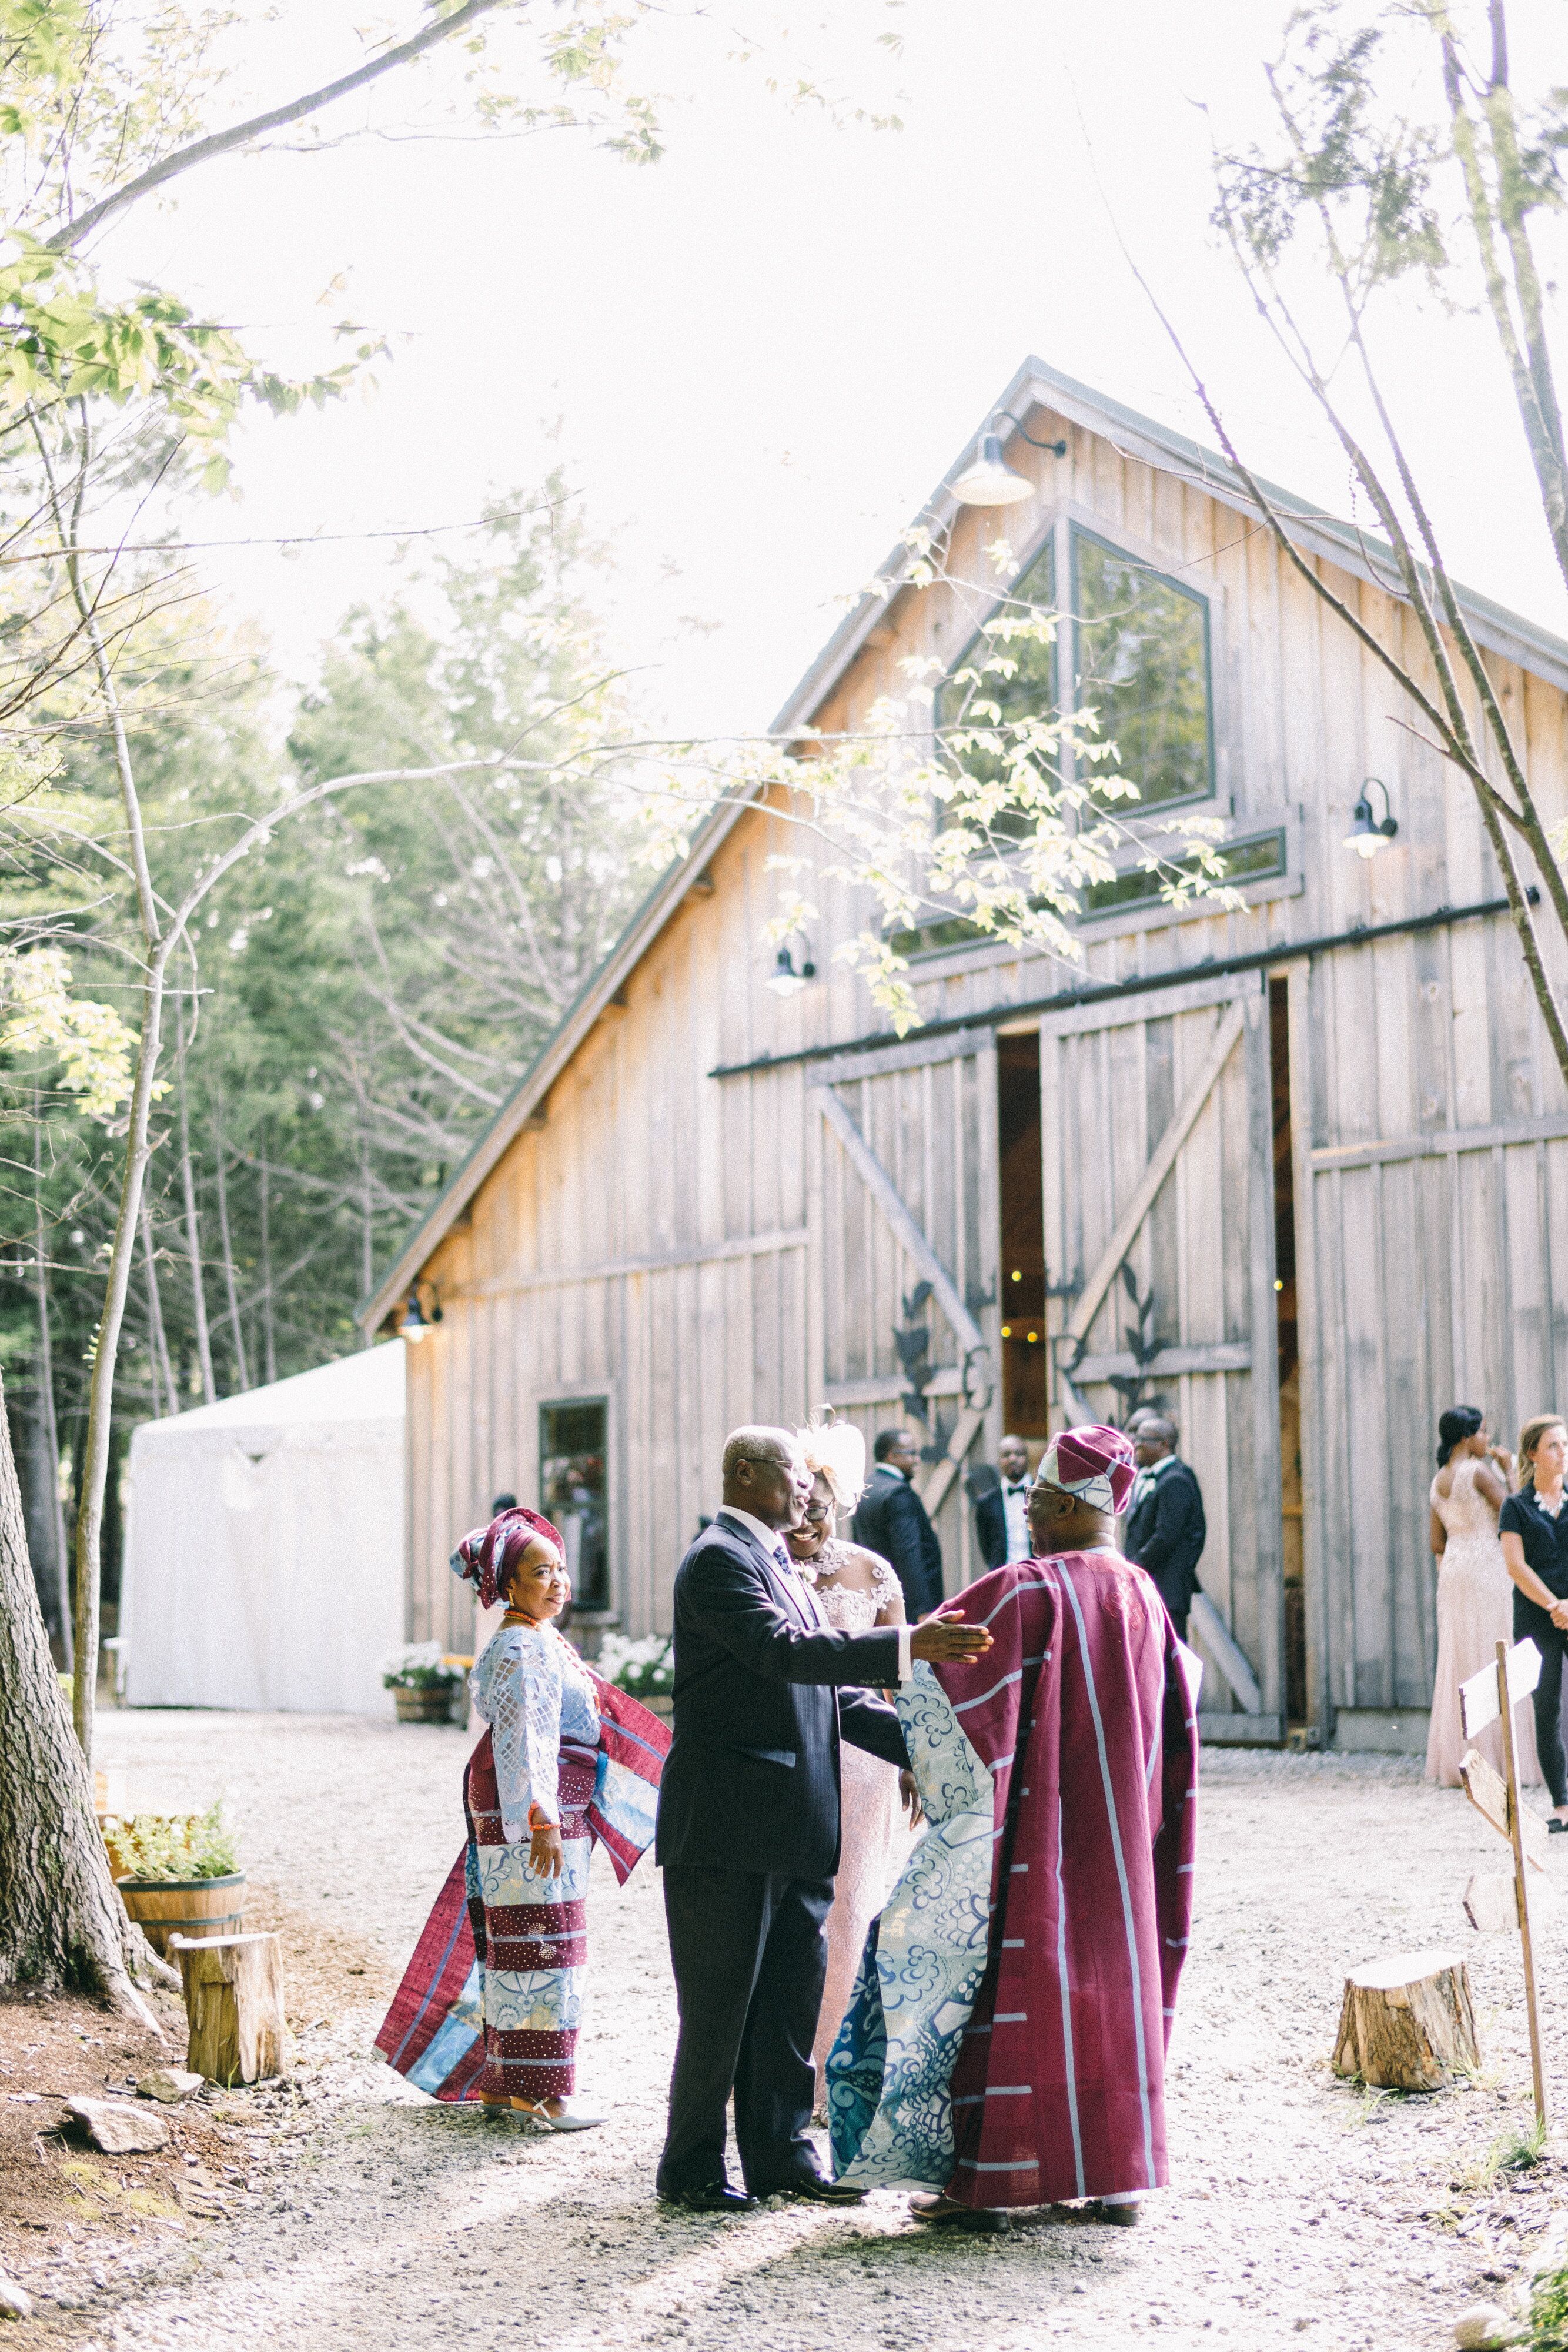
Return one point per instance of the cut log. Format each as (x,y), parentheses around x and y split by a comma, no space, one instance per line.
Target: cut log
(233,2000)
(1408,2023)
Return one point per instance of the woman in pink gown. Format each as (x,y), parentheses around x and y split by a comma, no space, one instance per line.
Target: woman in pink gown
(856,1591)
(1474,1597)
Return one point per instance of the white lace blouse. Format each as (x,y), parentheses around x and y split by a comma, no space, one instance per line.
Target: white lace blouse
(530,1687)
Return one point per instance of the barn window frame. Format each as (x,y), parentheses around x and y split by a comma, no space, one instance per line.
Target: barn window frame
(581,1400)
(1082,534)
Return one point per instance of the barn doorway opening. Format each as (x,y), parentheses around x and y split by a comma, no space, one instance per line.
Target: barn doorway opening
(1290,1362)
(1022,1271)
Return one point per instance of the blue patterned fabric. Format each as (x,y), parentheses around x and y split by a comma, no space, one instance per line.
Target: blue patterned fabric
(889,2105)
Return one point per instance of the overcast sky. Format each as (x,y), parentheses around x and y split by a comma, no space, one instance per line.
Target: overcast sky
(757,358)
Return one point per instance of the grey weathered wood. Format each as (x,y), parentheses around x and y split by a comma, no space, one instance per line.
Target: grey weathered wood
(1228,1655)
(883,1191)
(1267,1550)
(914,1053)
(1164,1003)
(1214,1356)
(1441,1144)
(1159,1167)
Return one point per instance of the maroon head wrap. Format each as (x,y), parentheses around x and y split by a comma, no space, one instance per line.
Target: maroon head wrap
(487,1557)
(1097,1463)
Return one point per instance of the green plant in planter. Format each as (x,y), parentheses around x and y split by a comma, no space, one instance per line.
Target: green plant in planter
(173,1846)
(645,1669)
(419,1667)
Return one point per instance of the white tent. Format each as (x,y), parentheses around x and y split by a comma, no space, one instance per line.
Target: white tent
(264,1550)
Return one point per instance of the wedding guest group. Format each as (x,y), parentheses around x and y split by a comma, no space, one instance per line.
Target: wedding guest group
(750,1825)
(1166,1529)
(1001,1515)
(1534,1528)
(491,2003)
(1475,1597)
(892,1522)
(1005,2041)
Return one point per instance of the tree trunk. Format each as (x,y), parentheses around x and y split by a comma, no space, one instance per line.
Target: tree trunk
(193,1231)
(230,1283)
(269,1328)
(49,1428)
(1407,2022)
(61,1922)
(159,1337)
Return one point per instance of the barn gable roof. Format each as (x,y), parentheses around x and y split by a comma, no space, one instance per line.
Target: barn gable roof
(1035,384)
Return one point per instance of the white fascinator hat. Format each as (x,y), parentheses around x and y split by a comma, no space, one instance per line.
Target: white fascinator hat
(836,1449)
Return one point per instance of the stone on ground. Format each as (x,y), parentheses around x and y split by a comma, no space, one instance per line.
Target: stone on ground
(1482,2327)
(169,2084)
(16,2303)
(119,2128)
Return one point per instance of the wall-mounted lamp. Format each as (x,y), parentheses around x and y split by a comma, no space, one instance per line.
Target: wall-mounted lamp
(785,979)
(1368,834)
(990,481)
(415,1321)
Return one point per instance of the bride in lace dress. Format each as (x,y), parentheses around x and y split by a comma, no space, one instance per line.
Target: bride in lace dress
(856,1590)
(1474,1597)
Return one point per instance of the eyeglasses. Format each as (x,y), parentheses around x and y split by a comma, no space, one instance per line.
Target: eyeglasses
(816,1510)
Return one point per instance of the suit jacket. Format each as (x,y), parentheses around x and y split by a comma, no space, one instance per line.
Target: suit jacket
(893,1521)
(752,1780)
(1165,1534)
(991,1527)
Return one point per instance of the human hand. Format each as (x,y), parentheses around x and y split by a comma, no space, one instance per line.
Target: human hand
(1503,1458)
(1560,1614)
(945,1639)
(910,1795)
(546,1856)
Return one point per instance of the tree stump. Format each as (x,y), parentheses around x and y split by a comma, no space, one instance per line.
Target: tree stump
(233,2000)
(1408,2023)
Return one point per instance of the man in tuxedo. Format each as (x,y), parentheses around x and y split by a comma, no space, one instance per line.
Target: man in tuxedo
(1001,1522)
(1165,1529)
(748,1826)
(893,1521)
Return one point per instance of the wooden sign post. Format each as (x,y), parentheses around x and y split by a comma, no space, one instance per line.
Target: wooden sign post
(1488,1698)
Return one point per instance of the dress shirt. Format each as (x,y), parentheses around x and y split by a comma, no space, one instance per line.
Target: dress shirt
(1148,1475)
(1014,1499)
(778,1550)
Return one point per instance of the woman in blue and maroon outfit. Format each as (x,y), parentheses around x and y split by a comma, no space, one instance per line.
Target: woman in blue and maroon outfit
(493,2014)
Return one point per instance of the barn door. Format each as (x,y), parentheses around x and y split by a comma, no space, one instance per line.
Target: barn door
(903,1285)
(1156,1133)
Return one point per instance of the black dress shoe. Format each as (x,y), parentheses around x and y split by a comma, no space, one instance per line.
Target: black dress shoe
(813,2186)
(713,2197)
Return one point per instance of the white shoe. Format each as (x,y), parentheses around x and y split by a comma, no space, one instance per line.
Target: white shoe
(571,2119)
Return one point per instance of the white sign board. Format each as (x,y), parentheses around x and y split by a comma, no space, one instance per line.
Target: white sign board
(1478,1698)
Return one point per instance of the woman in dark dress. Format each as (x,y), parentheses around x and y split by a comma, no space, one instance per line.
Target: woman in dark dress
(1533,1526)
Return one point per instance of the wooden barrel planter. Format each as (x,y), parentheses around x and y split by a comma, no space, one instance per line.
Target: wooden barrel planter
(163,1907)
(431,1706)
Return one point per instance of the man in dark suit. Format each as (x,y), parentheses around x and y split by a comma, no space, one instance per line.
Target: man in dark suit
(893,1521)
(748,1825)
(1001,1525)
(1165,1529)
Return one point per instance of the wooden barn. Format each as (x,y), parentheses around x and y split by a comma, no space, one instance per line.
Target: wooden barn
(1301,1169)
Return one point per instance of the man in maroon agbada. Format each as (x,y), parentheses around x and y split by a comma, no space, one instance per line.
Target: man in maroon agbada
(1086,1726)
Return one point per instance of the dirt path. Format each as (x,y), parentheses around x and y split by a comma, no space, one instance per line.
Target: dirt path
(1303,2211)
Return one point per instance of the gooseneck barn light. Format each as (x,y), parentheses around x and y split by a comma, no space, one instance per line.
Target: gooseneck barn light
(990,481)
(1368,833)
(788,979)
(415,1322)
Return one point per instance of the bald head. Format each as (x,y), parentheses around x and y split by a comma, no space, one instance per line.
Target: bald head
(1155,1438)
(765,1474)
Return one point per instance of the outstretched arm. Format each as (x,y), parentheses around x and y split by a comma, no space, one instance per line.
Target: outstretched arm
(731,1601)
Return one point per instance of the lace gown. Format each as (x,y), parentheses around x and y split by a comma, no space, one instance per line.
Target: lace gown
(875,1839)
(1475,1611)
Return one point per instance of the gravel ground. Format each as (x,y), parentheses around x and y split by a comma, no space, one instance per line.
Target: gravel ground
(1302,2210)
